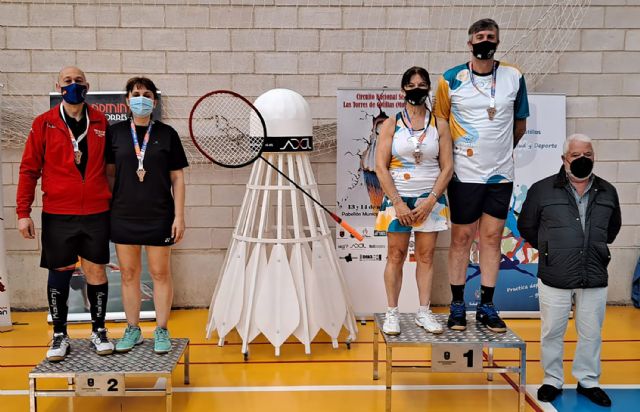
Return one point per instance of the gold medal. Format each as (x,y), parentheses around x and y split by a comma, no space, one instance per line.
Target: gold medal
(491,111)
(141,173)
(77,156)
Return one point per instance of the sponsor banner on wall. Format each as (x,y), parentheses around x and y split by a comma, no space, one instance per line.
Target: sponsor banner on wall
(359,116)
(113,105)
(5,307)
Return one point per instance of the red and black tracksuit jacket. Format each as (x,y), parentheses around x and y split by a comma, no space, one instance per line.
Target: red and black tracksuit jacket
(49,153)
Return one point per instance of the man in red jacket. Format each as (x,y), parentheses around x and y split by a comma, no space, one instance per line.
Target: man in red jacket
(66,147)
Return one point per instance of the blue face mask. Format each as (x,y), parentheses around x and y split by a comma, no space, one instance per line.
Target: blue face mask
(74,93)
(140,106)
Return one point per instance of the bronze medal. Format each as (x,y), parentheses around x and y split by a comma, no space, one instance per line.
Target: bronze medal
(141,173)
(417,155)
(491,111)
(77,156)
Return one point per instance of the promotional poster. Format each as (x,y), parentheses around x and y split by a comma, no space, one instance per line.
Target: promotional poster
(359,195)
(113,105)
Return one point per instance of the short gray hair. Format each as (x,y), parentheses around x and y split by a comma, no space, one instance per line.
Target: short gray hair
(578,137)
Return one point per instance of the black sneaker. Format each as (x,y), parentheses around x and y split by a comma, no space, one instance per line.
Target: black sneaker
(595,395)
(547,393)
(487,314)
(457,316)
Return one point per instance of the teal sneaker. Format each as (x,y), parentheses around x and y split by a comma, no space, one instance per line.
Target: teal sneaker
(132,337)
(161,340)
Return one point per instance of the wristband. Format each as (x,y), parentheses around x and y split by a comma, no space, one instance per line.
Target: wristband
(395,199)
(434,194)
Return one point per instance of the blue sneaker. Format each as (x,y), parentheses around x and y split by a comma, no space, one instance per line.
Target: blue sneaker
(487,314)
(161,340)
(132,337)
(457,316)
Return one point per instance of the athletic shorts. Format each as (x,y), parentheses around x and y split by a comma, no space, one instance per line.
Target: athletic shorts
(436,221)
(145,232)
(470,200)
(65,237)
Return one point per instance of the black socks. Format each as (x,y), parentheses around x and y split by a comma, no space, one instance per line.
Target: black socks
(457,292)
(58,295)
(486,294)
(97,295)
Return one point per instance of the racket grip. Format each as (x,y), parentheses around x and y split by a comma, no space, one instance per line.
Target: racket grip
(351,230)
(347,227)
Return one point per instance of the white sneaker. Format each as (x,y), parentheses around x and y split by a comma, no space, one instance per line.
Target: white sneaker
(391,325)
(101,343)
(60,347)
(426,320)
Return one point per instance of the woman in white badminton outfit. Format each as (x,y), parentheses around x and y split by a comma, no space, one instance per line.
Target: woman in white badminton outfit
(414,165)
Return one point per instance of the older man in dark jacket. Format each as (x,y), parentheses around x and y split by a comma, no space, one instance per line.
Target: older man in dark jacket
(570,217)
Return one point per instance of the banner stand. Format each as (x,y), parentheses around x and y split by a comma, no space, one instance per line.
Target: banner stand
(5,308)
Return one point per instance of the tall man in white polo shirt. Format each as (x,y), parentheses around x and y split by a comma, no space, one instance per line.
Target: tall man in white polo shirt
(484,102)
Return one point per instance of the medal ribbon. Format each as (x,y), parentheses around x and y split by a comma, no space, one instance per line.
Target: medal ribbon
(427,121)
(75,141)
(494,76)
(140,151)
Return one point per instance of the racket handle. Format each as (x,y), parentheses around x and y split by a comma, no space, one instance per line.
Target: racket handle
(347,227)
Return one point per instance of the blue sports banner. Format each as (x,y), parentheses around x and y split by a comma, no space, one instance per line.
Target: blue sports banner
(537,156)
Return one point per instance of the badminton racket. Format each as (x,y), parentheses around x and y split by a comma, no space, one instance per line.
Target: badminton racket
(228,130)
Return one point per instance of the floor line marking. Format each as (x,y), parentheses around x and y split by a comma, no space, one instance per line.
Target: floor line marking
(531,389)
(310,388)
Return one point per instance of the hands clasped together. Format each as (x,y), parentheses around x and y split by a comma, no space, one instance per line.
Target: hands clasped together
(408,217)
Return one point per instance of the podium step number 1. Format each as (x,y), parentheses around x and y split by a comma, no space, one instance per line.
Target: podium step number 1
(456,358)
(451,352)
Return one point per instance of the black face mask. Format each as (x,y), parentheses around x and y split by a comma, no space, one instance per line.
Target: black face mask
(416,96)
(581,167)
(484,50)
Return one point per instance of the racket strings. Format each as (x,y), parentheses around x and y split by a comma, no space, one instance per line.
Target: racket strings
(227,130)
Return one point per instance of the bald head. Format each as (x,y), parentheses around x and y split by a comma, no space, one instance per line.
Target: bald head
(70,74)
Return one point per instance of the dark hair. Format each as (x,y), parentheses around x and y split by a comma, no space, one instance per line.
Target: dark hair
(484,24)
(406,77)
(141,82)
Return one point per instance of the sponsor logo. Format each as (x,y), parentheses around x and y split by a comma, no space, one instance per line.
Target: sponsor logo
(358,246)
(4,310)
(342,246)
(370,258)
(99,133)
(347,258)
(294,143)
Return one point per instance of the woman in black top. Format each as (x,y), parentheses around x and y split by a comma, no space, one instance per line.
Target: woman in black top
(145,158)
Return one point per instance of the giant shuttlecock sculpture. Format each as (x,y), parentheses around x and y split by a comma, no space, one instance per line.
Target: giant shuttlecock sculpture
(281,275)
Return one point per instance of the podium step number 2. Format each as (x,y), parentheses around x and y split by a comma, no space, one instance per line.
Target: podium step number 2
(100,384)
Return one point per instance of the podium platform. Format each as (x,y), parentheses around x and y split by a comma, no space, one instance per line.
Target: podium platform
(89,374)
(451,351)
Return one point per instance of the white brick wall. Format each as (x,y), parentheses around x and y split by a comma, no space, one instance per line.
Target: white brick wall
(312,47)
